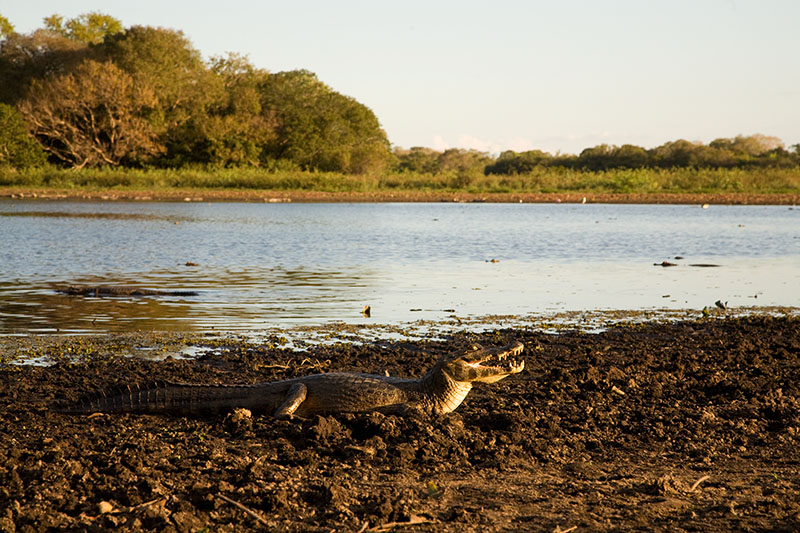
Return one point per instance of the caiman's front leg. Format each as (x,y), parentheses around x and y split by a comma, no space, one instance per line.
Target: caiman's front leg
(294,397)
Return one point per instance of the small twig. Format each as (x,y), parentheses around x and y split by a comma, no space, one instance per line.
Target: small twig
(697,483)
(243,508)
(144,505)
(309,363)
(388,526)
(314,363)
(559,530)
(126,510)
(282,367)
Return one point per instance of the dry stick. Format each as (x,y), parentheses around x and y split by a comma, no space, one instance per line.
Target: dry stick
(305,362)
(243,508)
(391,525)
(134,508)
(282,367)
(697,483)
(559,530)
(314,363)
(144,505)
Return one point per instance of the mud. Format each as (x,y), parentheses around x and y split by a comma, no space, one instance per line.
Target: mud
(280,196)
(692,426)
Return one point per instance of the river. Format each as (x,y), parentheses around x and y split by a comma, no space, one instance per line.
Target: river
(260,266)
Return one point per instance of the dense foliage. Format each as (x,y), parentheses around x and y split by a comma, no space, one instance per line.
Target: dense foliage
(754,151)
(17,148)
(750,153)
(92,93)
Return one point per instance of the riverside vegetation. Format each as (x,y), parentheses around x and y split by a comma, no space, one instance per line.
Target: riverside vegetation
(540,180)
(87,103)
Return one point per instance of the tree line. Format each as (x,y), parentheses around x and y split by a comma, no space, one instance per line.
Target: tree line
(751,151)
(87,92)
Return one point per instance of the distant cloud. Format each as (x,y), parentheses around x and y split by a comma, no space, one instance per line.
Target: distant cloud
(469,142)
(439,143)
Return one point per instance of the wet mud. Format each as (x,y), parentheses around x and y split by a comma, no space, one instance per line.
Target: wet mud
(281,196)
(691,426)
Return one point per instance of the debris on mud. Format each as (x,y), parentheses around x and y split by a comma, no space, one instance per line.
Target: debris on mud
(686,426)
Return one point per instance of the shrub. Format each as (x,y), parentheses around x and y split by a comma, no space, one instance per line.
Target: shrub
(17,148)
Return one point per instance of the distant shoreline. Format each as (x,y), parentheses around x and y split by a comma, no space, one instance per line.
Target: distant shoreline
(307,196)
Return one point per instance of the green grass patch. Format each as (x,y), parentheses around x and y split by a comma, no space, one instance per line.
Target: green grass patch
(540,180)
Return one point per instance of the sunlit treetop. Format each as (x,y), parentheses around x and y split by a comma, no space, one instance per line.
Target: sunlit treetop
(89,28)
(6,28)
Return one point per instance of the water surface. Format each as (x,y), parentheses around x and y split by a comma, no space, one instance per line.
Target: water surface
(266,265)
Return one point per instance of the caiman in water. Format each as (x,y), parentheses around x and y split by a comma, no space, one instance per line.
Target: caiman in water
(439,391)
(103,290)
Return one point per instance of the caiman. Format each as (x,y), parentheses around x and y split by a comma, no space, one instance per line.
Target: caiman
(103,290)
(439,391)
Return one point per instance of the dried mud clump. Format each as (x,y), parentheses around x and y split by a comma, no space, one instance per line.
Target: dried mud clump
(692,426)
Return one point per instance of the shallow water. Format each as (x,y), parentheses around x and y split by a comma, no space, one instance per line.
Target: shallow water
(267,265)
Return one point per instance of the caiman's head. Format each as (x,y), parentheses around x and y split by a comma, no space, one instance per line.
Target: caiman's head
(484,365)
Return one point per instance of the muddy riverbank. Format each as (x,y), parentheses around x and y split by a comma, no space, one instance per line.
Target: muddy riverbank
(690,426)
(279,196)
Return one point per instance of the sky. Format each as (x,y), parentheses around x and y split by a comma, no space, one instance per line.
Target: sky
(558,76)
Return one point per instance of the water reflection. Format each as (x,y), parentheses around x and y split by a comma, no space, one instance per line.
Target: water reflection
(258,266)
(95,216)
(243,299)
(260,298)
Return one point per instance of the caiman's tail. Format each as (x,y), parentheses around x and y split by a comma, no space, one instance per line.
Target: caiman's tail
(167,397)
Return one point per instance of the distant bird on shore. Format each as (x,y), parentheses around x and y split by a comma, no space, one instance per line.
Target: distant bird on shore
(723,306)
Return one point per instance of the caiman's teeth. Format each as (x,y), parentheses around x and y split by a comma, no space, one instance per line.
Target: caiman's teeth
(516,366)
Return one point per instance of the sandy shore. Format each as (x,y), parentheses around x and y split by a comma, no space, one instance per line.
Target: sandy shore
(249,195)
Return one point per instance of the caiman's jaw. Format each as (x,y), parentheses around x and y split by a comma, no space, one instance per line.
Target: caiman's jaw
(485,365)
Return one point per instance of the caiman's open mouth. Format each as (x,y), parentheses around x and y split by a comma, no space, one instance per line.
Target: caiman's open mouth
(494,365)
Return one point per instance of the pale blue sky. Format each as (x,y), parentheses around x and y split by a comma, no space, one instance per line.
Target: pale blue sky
(552,75)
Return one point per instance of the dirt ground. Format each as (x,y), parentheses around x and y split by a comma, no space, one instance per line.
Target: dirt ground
(692,426)
(256,195)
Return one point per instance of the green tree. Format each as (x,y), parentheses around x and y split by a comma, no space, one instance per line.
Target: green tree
(236,70)
(755,145)
(630,156)
(6,28)
(596,158)
(185,88)
(464,161)
(235,132)
(511,162)
(92,116)
(90,28)
(680,153)
(417,159)
(321,129)
(17,148)
(24,58)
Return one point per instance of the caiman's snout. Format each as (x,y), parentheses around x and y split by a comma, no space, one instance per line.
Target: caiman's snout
(487,365)
(512,349)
